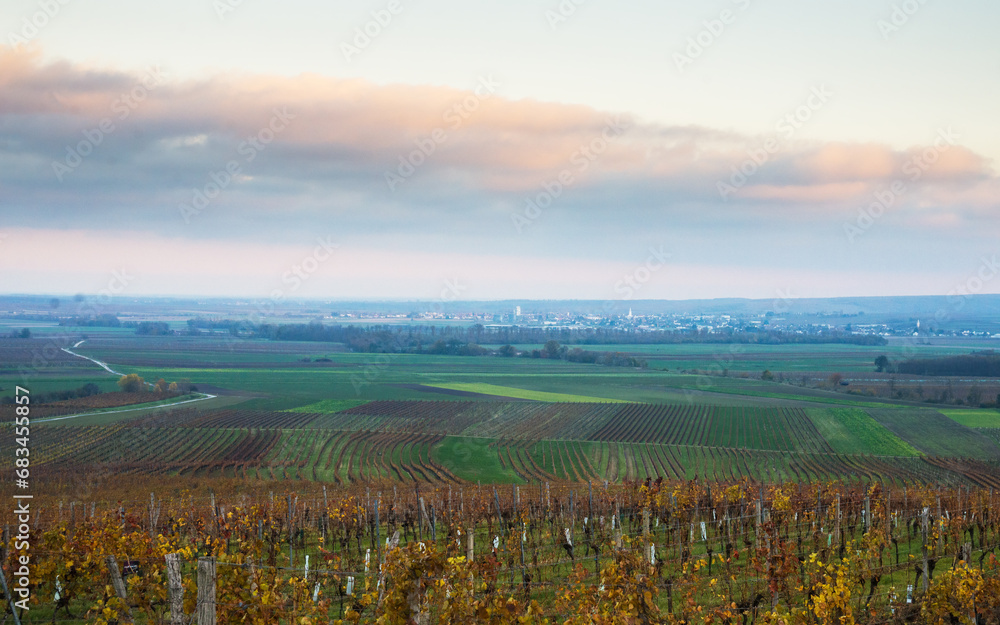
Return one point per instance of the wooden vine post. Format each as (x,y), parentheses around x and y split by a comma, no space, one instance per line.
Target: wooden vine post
(118,583)
(924,530)
(175,586)
(206,591)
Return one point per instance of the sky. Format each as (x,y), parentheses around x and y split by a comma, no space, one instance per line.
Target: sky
(442,150)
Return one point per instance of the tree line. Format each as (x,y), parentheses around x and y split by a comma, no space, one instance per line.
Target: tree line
(430,340)
(977,364)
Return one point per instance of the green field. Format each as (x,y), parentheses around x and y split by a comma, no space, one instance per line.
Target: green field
(973,418)
(315,411)
(472,459)
(853,431)
(290,376)
(755,358)
(520,393)
(329,405)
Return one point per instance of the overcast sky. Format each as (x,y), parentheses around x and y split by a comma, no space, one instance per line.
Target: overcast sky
(483,150)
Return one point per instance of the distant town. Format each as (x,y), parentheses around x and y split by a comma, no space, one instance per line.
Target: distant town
(927,317)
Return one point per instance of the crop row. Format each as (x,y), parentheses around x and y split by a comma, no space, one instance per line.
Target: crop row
(576,461)
(778,429)
(248,453)
(347,457)
(84,404)
(538,420)
(770,428)
(933,433)
(247,419)
(437,416)
(36,353)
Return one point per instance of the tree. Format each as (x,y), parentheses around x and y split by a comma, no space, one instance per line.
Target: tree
(172,387)
(507,351)
(551,349)
(881,363)
(767,376)
(161,386)
(975,396)
(131,383)
(25,333)
(439,347)
(153,328)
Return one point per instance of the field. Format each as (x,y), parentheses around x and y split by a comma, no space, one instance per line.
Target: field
(852,431)
(440,442)
(973,418)
(329,405)
(310,450)
(810,367)
(517,393)
(756,358)
(933,433)
(315,412)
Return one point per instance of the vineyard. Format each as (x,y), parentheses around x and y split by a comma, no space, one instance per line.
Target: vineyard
(649,552)
(247,453)
(614,462)
(784,429)
(455,442)
(20,354)
(293,502)
(933,433)
(86,404)
(345,457)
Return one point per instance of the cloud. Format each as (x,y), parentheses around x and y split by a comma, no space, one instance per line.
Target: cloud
(841,162)
(809,193)
(634,184)
(348,133)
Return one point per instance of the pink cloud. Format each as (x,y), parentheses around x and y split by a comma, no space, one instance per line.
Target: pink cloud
(831,192)
(844,162)
(491,144)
